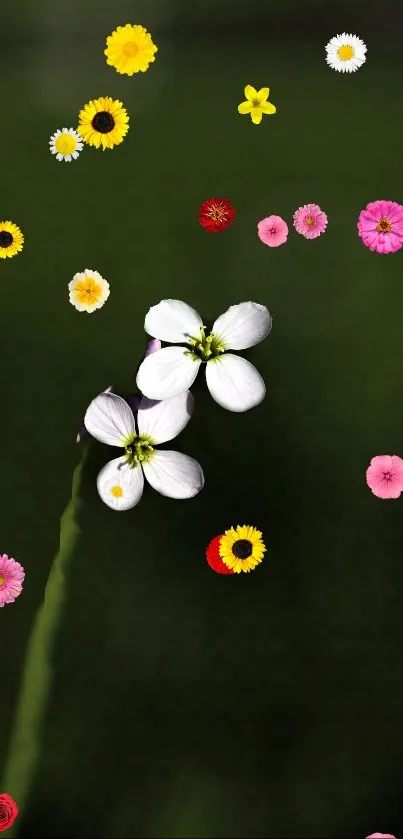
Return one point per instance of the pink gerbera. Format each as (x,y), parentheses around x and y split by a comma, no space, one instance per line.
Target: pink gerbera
(380,226)
(310,221)
(11,579)
(381,836)
(385,476)
(272,231)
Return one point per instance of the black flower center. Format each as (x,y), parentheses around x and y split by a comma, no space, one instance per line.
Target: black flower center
(6,238)
(103,122)
(242,548)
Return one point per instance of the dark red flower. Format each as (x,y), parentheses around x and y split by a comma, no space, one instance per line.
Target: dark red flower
(216,214)
(8,811)
(213,557)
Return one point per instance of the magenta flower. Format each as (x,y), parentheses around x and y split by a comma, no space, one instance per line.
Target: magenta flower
(310,221)
(381,836)
(380,226)
(11,579)
(385,476)
(272,231)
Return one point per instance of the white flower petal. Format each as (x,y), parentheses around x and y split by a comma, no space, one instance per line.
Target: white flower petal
(110,420)
(173,321)
(167,373)
(174,474)
(162,421)
(120,486)
(243,325)
(234,382)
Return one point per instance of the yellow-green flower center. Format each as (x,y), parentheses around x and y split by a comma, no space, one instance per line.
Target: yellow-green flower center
(2,580)
(205,347)
(345,52)
(65,143)
(384,226)
(140,450)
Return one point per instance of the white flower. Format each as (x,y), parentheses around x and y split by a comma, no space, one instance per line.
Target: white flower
(345,53)
(66,144)
(88,291)
(120,483)
(232,381)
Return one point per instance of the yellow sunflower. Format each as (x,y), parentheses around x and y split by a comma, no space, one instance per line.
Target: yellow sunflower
(130,49)
(242,548)
(11,239)
(103,122)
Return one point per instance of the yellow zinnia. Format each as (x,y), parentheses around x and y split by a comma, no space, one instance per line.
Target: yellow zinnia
(103,122)
(130,49)
(242,548)
(11,239)
(256,103)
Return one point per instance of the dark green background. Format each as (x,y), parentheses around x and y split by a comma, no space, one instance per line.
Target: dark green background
(185,703)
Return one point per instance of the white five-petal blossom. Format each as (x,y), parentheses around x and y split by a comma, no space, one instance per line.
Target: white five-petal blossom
(232,381)
(120,483)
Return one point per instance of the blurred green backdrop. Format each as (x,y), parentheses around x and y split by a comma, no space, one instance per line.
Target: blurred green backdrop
(183,703)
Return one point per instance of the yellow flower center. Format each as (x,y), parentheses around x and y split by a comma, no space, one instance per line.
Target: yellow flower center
(65,144)
(309,220)
(217,213)
(2,580)
(256,103)
(345,53)
(117,491)
(130,49)
(384,226)
(88,291)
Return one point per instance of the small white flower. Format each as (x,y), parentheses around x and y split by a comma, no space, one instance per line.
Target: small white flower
(66,144)
(232,381)
(121,482)
(88,291)
(345,53)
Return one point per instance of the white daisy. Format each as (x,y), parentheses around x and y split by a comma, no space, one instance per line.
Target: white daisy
(66,144)
(345,53)
(88,291)
(120,483)
(232,381)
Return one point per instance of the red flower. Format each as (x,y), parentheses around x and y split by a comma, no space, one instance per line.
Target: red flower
(216,214)
(8,811)
(213,557)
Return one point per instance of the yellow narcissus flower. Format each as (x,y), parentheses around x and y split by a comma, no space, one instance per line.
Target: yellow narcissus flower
(256,103)
(103,122)
(130,49)
(242,548)
(11,239)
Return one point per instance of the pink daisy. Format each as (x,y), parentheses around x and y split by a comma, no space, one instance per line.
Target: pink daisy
(380,226)
(272,231)
(381,836)
(385,476)
(11,579)
(310,221)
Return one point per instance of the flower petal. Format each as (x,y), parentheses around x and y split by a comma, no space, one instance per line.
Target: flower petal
(256,114)
(110,420)
(268,108)
(245,107)
(167,373)
(234,382)
(174,474)
(173,321)
(250,92)
(263,94)
(119,485)
(243,325)
(162,421)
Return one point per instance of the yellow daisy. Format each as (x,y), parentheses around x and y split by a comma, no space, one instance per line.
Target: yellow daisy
(256,103)
(103,122)
(88,291)
(242,548)
(130,49)
(11,239)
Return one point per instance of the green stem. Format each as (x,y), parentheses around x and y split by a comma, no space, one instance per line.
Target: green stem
(37,674)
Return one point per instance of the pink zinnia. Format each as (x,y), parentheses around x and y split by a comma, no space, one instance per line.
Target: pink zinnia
(272,231)
(11,578)
(310,221)
(381,836)
(385,476)
(380,226)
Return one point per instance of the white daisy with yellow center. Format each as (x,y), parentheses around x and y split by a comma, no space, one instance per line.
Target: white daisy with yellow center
(66,144)
(345,53)
(88,291)
(120,483)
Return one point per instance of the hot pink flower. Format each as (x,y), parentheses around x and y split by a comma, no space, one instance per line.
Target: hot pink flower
(381,836)
(310,221)
(380,226)
(272,231)
(11,578)
(385,476)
